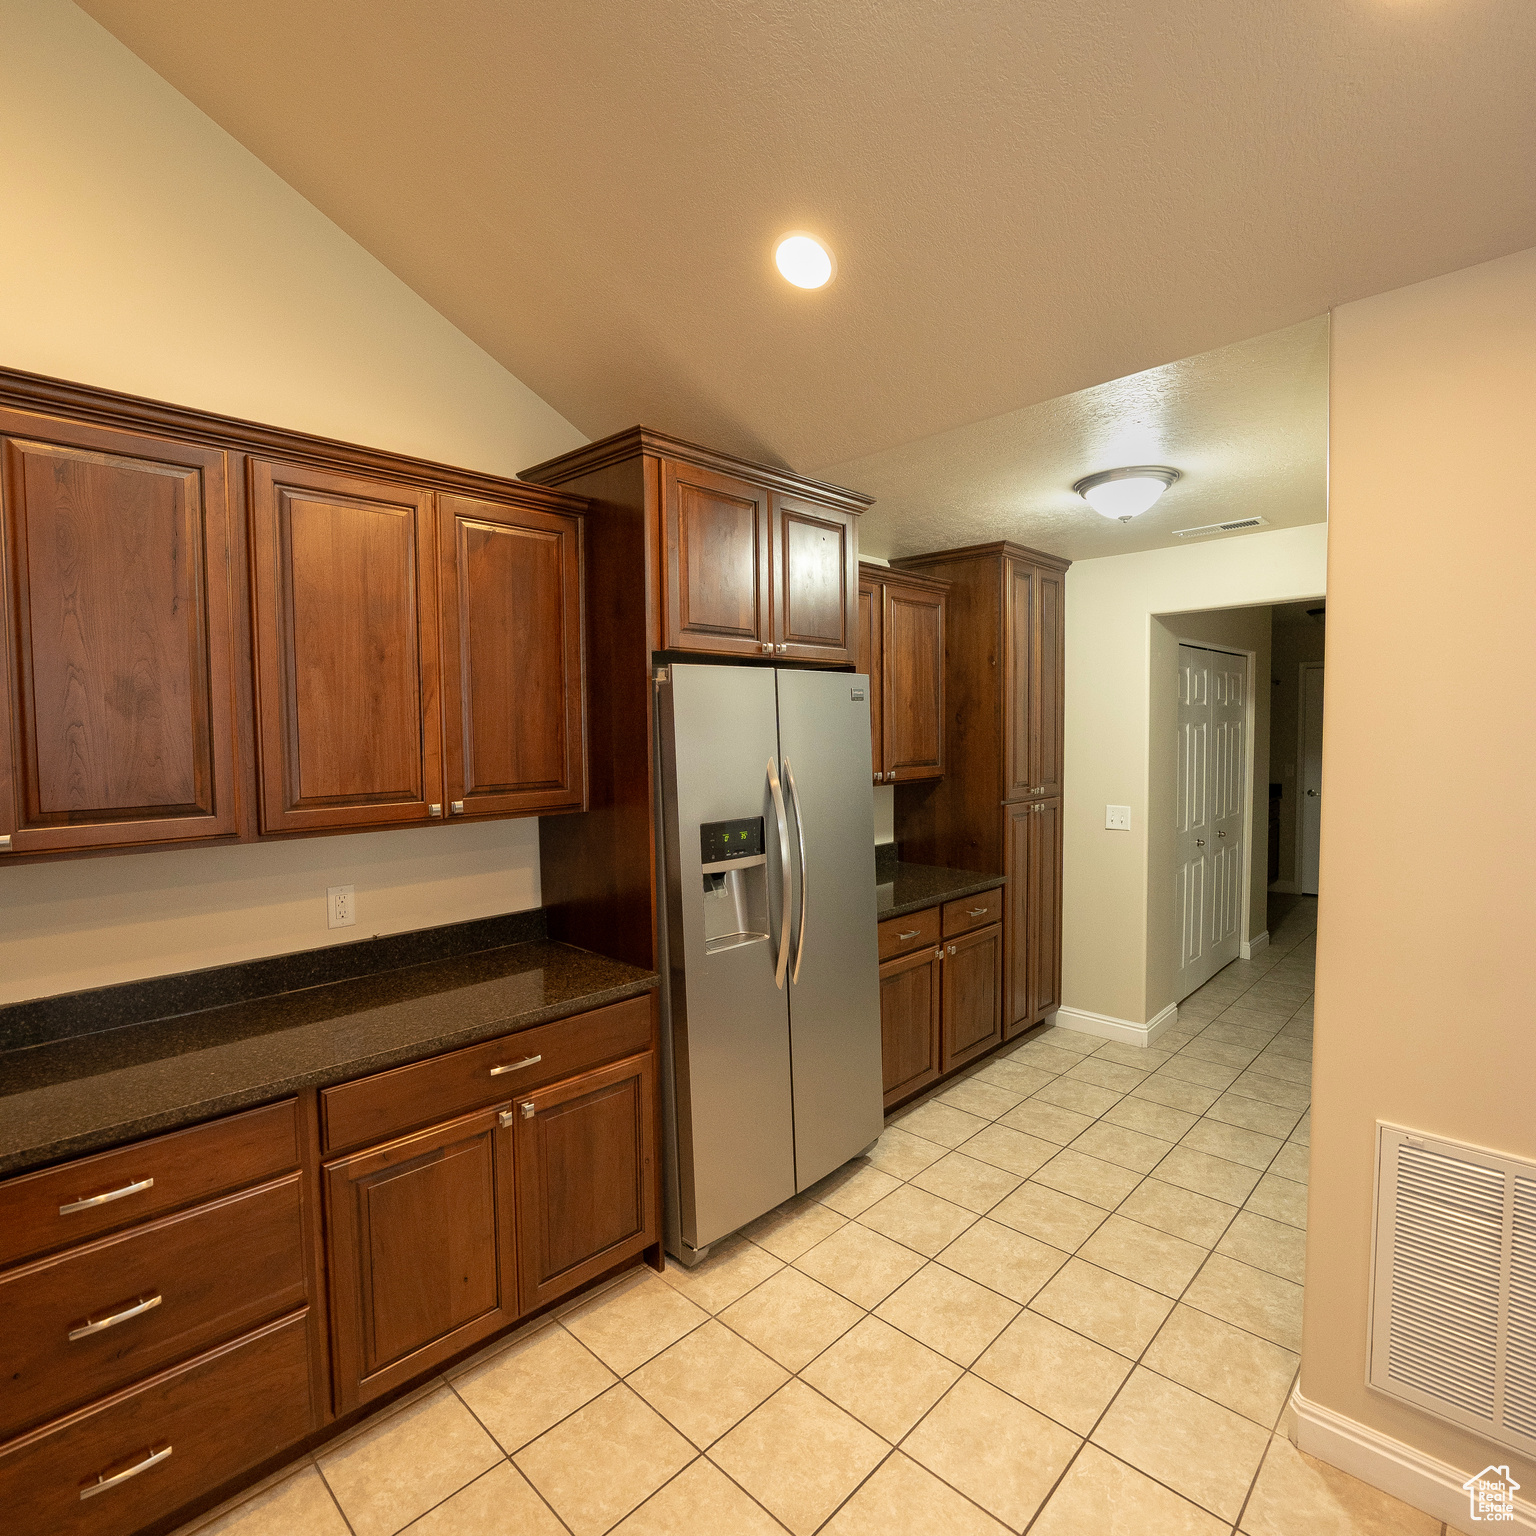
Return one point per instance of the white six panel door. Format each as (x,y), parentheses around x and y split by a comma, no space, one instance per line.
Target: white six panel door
(1210,797)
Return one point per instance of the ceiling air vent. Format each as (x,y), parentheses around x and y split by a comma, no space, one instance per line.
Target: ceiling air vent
(1232,527)
(1453,1299)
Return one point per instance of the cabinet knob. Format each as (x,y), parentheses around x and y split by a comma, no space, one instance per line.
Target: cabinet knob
(5,843)
(938,954)
(456,806)
(434,810)
(767,647)
(951,949)
(782,648)
(527,1109)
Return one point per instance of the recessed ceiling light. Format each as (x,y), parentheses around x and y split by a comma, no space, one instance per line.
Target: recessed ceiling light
(1125,493)
(804,261)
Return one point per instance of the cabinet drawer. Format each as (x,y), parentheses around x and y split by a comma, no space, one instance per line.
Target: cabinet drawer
(899,934)
(81,1200)
(187,1430)
(374,1108)
(972,912)
(178,1285)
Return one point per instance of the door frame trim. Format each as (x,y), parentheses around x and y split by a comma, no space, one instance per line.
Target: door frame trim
(1302,668)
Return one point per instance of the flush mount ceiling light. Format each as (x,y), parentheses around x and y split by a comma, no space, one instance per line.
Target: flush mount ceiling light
(804,261)
(1125,493)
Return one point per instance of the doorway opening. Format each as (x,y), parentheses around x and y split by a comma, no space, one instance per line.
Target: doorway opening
(1299,638)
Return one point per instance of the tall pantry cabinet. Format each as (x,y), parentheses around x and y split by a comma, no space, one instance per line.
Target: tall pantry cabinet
(998,806)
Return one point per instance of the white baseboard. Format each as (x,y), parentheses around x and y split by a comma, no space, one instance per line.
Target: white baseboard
(1407,1474)
(1250,947)
(1108,1028)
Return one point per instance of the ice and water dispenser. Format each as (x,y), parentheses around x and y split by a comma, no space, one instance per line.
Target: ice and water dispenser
(735,883)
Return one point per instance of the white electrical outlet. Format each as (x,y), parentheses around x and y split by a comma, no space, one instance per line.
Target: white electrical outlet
(340,907)
(1117,818)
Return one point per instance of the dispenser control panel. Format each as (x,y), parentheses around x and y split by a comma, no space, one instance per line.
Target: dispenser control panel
(724,841)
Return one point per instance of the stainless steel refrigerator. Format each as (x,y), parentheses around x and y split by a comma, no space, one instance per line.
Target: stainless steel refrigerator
(769,959)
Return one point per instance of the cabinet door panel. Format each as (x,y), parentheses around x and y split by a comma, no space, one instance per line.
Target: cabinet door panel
(1045,910)
(421,1252)
(716,531)
(1018,931)
(910,1002)
(1018,682)
(914,684)
(586,1178)
(871,662)
(346,649)
(815,581)
(973,1012)
(1048,683)
(512,679)
(118,619)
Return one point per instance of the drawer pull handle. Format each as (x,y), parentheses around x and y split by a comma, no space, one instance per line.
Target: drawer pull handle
(528,1110)
(911,935)
(95,1325)
(92,1201)
(978,911)
(516,1066)
(152,1458)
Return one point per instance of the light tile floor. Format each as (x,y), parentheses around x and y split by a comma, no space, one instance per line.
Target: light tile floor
(1061,1295)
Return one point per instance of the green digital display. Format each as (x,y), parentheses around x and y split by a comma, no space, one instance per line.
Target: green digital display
(722,840)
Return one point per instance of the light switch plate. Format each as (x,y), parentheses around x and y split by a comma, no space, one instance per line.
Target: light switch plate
(340,906)
(1117,818)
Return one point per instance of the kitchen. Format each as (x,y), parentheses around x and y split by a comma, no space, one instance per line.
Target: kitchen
(431,1138)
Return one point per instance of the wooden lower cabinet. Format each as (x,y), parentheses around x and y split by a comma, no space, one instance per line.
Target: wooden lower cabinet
(140,1455)
(1033,961)
(973,995)
(911,991)
(586,1177)
(170,1334)
(421,1252)
(941,1004)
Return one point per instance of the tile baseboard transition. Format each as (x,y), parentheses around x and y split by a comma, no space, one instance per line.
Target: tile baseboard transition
(1407,1474)
(1109,1028)
(1250,947)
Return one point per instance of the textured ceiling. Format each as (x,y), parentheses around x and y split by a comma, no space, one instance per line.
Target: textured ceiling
(1026,197)
(1246,426)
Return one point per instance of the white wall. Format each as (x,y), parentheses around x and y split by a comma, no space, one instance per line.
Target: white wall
(144,250)
(1426,966)
(1110,608)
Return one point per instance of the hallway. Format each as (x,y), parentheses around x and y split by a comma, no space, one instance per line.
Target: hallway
(1063,1294)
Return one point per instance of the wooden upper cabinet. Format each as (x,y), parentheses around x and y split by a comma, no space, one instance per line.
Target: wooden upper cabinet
(345,603)
(1049,680)
(512,658)
(871,662)
(716,565)
(116,710)
(815,581)
(1035,618)
(1020,757)
(913,708)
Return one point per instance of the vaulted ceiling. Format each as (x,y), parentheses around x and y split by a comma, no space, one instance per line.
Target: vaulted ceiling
(1025,197)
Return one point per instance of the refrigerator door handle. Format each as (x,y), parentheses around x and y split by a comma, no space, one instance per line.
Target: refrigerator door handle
(794,795)
(781,964)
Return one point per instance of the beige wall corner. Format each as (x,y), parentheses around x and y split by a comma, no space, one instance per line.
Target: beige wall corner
(1110,626)
(146,251)
(1426,969)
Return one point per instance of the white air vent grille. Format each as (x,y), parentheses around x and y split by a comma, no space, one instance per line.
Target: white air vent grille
(1453,1307)
(1232,527)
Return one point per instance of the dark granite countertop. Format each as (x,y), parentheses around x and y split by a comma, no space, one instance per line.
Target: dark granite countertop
(902,888)
(79,1094)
